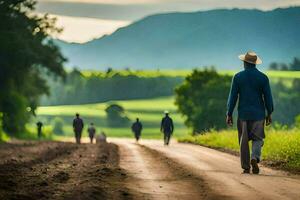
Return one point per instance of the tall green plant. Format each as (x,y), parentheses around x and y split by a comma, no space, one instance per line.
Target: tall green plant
(202,99)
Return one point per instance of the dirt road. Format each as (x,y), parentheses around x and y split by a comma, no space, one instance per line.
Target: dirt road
(211,174)
(123,169)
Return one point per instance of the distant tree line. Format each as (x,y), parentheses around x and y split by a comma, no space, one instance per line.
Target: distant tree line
(106,86)
(294,66)
(25,51)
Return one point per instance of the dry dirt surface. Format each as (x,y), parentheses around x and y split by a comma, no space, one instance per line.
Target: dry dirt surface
(124,169)
(211,174)
(60,170)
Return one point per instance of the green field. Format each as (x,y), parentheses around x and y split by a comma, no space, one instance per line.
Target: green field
(150,112)
(282,147)
(184,73)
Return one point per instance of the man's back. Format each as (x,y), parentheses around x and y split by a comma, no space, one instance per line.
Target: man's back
(78,124)
(137,126)
(91,130)
(253,90)
(167,124)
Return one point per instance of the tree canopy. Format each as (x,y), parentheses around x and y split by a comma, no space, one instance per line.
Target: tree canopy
(202,100)
(26,51)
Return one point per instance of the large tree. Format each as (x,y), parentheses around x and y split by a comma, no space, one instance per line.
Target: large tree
(202,100)
(26,52)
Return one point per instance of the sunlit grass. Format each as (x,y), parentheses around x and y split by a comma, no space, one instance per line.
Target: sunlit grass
(184,73)
(3,136)
(281,146)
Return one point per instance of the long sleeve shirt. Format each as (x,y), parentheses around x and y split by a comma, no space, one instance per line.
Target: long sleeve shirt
(251,88)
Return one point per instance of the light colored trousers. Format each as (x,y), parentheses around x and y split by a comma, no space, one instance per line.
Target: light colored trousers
(250,130)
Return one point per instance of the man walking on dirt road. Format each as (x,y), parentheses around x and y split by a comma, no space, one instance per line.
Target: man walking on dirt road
(251,87)
(167,127)
(77,127)
(137,129)
(91,131)
(39,125)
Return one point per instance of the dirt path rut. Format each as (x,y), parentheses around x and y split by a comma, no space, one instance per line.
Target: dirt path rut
(222,173)
(154,176)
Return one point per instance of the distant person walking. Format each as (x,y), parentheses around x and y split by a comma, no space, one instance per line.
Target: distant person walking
(39,129)
(137,128)
(167,127)
(252,90)
(77,127)
(91,131)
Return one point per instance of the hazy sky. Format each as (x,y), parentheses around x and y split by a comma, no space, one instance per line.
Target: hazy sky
(84,20)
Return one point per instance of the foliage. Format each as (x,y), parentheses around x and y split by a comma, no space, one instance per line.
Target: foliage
(281,146)
(106,86)
(3,136)
(58,124)
(116,116)
(286,101)
(25,51)
(297,121)
(202,99)
(294,66)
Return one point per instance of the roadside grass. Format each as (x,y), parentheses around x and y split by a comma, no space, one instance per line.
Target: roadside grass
(150,112)
(281,148)
(4,137)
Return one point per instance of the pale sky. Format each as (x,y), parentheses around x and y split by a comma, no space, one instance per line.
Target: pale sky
(84,20)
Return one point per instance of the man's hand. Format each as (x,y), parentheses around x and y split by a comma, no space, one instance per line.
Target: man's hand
(229,120)
(268,120)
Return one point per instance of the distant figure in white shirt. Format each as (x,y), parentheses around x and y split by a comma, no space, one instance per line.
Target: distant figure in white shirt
(101,138)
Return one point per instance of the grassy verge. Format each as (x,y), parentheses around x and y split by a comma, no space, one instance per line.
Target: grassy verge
(281,148)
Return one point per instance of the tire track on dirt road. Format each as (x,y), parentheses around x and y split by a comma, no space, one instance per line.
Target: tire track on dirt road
(153,176)
(222,173)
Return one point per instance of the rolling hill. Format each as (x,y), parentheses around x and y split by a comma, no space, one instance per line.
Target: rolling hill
(187,40)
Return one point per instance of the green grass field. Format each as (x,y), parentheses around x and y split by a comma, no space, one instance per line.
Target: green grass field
(184,73)
(150,112)
(282,147)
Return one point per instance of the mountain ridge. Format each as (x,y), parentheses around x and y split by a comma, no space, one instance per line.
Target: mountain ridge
(187,40)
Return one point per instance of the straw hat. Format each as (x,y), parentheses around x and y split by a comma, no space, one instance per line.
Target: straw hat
(250,57)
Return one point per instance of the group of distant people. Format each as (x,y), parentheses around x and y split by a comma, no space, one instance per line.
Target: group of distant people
(166,127)
(78,127)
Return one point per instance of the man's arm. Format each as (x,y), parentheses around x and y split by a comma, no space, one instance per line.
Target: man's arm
(172,125)
(82,124)
(232,99)
(268,99)
(161,125)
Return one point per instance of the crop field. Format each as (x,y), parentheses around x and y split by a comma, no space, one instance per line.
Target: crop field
(281,147)
(150,112)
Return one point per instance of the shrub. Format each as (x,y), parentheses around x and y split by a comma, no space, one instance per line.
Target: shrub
(116,116)
(58,124)
(202,100)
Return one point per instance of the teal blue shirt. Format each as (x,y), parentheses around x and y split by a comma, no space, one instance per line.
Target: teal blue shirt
(251,88)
